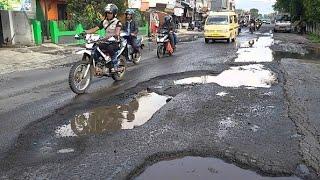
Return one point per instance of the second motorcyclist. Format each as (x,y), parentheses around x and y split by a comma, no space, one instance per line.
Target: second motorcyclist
(131,28)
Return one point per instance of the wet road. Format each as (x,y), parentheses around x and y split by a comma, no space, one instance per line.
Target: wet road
(210,100)
(31,95)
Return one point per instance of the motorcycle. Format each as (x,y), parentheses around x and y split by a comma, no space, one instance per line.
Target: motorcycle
(130,55)
(252,28)
(82,72)
(190,26)
(164,44)
(258,26)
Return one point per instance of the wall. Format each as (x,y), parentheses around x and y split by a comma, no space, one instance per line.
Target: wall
(22,28)
(17,28)
(7,26)
(217,5)
(52,7)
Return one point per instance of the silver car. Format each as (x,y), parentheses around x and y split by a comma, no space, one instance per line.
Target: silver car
(283,23)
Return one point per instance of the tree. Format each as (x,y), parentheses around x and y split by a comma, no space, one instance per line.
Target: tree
(306,9)
(90,12)
(254,12)
(282,6)
(4,5)
(312,10)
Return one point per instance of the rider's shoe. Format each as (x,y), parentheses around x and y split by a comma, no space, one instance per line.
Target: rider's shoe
(116,69)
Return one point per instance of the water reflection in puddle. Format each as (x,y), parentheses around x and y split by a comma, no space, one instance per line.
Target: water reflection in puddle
(113,118)
(256,50)
(222,94)
(194,168)
(310,56)
(249,76)
(64,151)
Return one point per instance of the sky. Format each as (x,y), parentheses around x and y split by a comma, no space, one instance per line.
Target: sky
(264,6)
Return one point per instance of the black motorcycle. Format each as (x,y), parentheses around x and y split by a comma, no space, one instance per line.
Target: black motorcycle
(132,56)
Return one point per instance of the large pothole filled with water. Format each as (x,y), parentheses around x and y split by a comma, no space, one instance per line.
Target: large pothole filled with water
(114,118)
(251,76)
(194,168)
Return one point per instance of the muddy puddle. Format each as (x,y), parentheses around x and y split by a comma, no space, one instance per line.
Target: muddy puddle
(114,118)
(250,76)
(193,168)
(312,55)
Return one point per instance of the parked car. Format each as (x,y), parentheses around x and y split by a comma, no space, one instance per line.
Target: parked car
(283,23)
(266,21)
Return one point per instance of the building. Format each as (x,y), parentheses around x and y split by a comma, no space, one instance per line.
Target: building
(218,5)
(16,27)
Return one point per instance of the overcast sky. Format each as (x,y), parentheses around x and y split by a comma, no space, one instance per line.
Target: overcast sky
(264,6)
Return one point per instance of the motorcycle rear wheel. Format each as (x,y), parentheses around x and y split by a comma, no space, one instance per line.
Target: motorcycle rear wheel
(119,76)
(136,58)
(77,82)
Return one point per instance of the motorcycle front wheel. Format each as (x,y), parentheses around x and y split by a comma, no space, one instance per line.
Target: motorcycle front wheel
(160,51)
(80,77)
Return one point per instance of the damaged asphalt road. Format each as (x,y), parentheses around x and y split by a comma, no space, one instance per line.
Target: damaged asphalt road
(247,124)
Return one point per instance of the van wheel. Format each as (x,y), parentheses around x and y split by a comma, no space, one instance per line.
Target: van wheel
(206,40)
(229,40)
(234,39)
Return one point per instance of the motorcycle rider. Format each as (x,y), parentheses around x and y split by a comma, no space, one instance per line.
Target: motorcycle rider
(253,21)
(131,28)
(168,24)
(112,26)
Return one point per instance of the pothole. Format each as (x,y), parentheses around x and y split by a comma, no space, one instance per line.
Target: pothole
(310,55)
(251,76)
(189,168)
(256,50)
(224,127)
(114,118)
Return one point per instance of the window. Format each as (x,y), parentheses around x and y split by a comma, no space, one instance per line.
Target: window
(217,20)
(231,19)
(235,19)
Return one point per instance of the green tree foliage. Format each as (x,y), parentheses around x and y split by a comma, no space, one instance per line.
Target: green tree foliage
(4,5)
(283,6)
(254,12)
(312,10)
(90,12)
(307,9)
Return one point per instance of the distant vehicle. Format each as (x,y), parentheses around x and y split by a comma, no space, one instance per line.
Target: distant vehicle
(221,26)
(283,23)
(266,21)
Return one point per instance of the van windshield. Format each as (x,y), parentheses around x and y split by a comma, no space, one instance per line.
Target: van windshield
(217,20)
(283,18)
